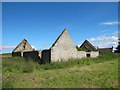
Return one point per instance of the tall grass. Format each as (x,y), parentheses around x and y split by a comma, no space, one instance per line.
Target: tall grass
(13,65)
(80,62)
(18,64)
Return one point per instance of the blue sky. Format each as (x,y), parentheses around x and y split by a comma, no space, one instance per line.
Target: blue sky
(41,23)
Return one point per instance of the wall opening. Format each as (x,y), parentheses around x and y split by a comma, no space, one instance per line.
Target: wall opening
(46,56)
(88,55)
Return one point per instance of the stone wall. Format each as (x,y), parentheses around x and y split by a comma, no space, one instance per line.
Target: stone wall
(63,48)
(92,54)
(62,55)
(24,46)
(81,54)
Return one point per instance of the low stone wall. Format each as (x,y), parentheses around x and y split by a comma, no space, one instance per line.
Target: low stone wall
(81,54)
(47,56)
(92,54)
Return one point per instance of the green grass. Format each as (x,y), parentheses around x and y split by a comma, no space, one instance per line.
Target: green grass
(6,55)
(100,72)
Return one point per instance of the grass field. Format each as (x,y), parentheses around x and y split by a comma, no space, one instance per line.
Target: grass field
(6,55)
(100,72)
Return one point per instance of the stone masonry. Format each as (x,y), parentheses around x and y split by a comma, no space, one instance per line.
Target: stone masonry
(63,49)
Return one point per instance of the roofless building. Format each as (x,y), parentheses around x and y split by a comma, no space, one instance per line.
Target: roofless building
(63,49)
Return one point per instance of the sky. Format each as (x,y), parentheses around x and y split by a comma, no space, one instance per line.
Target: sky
(42,22)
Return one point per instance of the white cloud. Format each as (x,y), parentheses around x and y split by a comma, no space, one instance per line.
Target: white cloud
(104,41)
(116,33)
(111,38)
(34,47)
(105,44)
(7,47)
(110,23)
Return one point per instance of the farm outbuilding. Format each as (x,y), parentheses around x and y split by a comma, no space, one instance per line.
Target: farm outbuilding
(88,46)
(106,50)
(63,49)
(23,46)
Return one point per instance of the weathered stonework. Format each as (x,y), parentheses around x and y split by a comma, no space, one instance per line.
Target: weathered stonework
(62,50)
(81,54)
(93,53)
(23,46)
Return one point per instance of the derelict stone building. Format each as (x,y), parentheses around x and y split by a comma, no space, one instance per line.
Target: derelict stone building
(106,50)
(24,49)
(91,50)
(24,46)
(88,46)
(63,49)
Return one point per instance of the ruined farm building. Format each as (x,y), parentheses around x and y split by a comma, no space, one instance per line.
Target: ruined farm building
(106,50)
(24,49)
(23,46)
(88,46)
(64,49)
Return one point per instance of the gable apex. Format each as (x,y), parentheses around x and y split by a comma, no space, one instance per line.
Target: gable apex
(64,39)
(65,30)
(88,44)
(23,46)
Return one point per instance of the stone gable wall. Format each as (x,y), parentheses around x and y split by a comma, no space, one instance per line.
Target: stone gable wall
(23,47)
(63,49)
